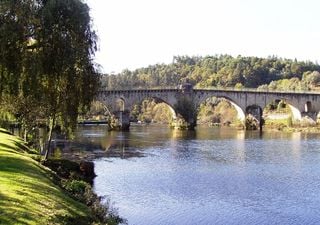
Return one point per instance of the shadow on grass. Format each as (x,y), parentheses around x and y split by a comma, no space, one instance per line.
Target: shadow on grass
(19,145)
(22,146)
(37,199)
(16,165)
(14,211)
(28,194)
(10,210)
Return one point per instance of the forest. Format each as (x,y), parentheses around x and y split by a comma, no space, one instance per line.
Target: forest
(221,71)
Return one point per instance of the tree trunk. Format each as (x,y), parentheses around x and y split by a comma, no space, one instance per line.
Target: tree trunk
(25,134)
(51,126)
(1,81)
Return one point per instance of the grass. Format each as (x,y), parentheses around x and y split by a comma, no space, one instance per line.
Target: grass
(27,192)
(278,123)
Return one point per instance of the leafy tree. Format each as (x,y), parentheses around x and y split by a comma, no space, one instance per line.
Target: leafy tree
(46,57)
(67,45)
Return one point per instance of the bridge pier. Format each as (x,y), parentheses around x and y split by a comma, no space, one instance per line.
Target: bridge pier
(120,120)
(308,118)
(186,109)
(254,120)
(182,124)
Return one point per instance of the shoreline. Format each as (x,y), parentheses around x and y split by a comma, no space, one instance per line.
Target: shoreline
(32,193)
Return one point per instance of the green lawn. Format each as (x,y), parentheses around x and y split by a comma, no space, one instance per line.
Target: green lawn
(27,193)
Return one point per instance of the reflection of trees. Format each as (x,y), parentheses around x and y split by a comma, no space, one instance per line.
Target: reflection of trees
(205,142)
(117,144)
(177,134)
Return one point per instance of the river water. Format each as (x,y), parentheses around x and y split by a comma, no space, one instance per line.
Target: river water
(157,176)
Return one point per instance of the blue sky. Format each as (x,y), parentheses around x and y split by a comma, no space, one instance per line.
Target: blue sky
(137,33)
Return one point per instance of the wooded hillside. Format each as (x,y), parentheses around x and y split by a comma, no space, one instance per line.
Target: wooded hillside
(221,71)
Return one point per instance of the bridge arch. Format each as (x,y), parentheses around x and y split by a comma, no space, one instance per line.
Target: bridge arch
(294,107)
(241,116)
(296,113)
(300,104)
(157,100)
(120,104)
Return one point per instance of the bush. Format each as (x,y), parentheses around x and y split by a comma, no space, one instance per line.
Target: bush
(71,179)
(76,187)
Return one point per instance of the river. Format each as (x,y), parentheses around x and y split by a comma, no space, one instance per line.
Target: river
(158,176)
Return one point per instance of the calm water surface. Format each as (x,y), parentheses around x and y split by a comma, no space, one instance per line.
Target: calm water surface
(210,176)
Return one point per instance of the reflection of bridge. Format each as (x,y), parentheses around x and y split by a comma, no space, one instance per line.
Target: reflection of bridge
(244,100)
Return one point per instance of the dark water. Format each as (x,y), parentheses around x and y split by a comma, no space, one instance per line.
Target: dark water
(211,176)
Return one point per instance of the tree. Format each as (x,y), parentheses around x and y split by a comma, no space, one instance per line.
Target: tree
(67,46)
(46,57)
(20,80)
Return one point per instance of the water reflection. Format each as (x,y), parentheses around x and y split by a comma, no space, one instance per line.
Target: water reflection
(140,139)
(235,174)
(210,176)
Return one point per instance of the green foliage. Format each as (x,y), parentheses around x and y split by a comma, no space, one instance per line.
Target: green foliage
(217,111)
(238,86)
(281,105)
(76,187)
(151,110)
(217,71)
(279,124)
(28,195)
(46,61)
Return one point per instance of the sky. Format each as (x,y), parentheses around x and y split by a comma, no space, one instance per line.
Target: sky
(138,33)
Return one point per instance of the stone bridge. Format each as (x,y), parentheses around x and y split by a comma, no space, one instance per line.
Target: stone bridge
(185,102)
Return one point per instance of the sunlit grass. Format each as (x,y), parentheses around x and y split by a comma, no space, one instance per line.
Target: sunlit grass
(28,194)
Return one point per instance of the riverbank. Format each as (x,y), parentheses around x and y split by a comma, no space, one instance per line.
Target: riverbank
(28,193)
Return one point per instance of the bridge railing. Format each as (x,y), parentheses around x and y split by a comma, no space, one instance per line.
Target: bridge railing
(173,88)
(258,90)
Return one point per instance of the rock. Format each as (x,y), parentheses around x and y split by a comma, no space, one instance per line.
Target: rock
(87,168)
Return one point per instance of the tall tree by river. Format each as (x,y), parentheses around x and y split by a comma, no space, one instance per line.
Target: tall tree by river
(47,49)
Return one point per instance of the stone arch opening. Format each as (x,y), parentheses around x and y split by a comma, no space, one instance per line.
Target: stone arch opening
(99,111)
(254,120)
(308,107)
(152,109)
(120,105)
(281,112)
(296,113)
(222,107)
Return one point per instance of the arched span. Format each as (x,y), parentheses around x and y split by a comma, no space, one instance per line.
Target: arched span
(158,101)
(241,115)
(104,107)
(240,111)
(120,104)
(295,111)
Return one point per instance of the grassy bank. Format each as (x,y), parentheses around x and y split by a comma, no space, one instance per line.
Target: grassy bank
(27,192)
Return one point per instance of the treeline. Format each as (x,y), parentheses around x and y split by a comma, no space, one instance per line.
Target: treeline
(220,71)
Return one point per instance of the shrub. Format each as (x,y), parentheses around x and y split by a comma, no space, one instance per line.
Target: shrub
(76,188)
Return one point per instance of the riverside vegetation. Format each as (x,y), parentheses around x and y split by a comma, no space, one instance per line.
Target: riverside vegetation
(47,77)
(31,193)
